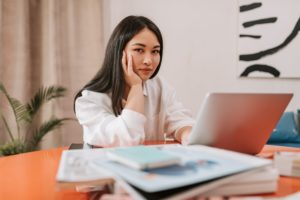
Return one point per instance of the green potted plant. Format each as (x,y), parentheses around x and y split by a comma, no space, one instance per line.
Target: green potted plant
(29,130)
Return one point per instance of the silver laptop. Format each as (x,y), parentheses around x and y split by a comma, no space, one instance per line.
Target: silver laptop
(240,122)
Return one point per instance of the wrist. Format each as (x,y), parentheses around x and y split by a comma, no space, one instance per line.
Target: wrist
(136,85)
(135,99)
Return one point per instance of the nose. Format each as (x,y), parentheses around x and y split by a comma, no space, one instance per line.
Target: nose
(147,60)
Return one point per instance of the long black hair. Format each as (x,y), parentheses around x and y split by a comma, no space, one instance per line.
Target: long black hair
(110,77)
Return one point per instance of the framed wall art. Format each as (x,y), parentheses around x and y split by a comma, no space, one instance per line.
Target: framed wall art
(269,38)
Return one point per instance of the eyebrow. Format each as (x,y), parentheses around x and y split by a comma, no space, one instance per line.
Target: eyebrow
(140,44)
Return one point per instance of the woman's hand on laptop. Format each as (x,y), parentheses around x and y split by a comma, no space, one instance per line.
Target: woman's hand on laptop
(182,135)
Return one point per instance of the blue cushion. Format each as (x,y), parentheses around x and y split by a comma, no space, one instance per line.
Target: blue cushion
(286,130)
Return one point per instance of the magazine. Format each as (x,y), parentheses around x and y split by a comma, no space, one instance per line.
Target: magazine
(78,167)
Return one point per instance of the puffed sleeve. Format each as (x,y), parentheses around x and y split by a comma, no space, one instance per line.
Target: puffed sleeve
(177,116)
(102,128)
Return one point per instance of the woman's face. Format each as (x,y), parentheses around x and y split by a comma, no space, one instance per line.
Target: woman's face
(144,49)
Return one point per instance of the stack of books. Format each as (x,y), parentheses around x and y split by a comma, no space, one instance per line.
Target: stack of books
(259,182)
(170,171)
(288,163)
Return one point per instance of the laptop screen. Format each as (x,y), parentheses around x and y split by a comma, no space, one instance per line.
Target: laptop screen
(240,122)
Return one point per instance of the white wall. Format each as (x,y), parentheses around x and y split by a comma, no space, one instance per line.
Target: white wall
(200,53)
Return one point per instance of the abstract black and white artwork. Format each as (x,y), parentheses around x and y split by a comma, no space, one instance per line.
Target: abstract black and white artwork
(269,38)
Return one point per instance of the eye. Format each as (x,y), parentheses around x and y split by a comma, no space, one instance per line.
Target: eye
(156,51)
(139,50)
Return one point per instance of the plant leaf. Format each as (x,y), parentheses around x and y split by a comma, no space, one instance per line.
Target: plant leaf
(13,147)
(20,111)
(45,128)
(42,96)
(7,127)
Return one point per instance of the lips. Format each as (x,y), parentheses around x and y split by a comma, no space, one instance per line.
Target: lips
(145,71)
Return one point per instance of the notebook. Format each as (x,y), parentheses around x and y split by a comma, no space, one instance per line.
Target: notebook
(241,122)
(143,157)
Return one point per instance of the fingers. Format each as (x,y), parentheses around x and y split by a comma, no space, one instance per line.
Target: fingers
(124,61)
(131,77)
(129,64)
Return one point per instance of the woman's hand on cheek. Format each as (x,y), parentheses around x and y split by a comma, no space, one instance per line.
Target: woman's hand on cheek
(134,95)
(131,77)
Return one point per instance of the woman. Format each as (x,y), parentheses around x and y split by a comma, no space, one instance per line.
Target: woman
(126,103)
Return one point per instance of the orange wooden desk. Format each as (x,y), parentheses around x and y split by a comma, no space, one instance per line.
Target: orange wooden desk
(32,176)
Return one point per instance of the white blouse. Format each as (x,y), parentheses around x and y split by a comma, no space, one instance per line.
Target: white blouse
(163,115)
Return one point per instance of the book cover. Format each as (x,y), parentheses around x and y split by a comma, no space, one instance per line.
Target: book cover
(143,157)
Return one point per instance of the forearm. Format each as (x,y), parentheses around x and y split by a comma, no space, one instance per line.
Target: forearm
(135,99)
(100,125)
(125,130)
